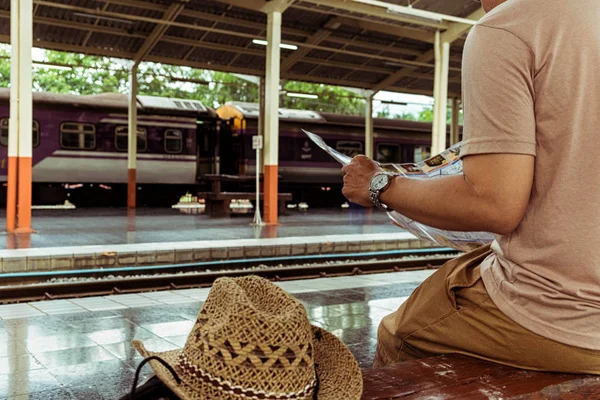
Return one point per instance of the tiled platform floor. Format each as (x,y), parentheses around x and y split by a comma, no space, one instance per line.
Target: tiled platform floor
(84,227)
(80,349)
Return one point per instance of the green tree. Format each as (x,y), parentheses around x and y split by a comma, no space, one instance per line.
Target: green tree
(407,116)
(384,112)
(4,67)
(95,74)
(427,116)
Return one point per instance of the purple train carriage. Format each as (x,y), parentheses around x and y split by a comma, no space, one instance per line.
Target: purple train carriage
(307,171)
(80,148)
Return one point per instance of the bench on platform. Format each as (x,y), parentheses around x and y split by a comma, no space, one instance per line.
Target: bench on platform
(218,204)
(218,201)
(461,377)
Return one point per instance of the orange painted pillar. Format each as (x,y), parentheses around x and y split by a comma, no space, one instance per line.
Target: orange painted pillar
(132,141)
(20,136)
(131,187)
(25,179)
(271,118)
(11,193)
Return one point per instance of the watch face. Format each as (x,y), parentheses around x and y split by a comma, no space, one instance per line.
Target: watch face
(379,182)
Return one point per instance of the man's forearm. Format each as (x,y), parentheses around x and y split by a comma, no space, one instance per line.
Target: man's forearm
(449,203)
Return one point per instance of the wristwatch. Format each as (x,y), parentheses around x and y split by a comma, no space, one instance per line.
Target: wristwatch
(379,184)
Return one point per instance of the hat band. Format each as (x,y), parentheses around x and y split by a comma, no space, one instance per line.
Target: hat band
(186,366)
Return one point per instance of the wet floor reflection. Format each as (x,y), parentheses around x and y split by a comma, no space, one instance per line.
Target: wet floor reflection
(18,240)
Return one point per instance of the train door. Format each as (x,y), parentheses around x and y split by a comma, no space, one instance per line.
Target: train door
(207,132)
(230,148)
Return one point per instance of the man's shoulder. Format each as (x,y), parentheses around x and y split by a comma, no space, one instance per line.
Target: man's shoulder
(512,14)
(521,17)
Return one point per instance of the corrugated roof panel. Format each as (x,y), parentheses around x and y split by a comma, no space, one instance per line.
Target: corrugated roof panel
(299,24)
(320,54)
(213,56)
(330,72)
(4,26)
(248,61)
(366,76)
(194,34)
(115,42)
(302,68)
(57,34)
(141,26)
(303,19)
(169,49)
(212,6)
(240,29)
(348,58)
(229,40)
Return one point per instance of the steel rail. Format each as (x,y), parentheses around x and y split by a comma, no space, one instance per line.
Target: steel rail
(171,281)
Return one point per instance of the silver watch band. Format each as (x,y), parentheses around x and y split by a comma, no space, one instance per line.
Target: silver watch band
(375,195)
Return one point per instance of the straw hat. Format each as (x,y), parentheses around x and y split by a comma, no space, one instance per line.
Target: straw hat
(254,341)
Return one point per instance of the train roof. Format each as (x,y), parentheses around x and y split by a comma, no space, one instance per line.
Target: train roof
(118,101)
(251,111)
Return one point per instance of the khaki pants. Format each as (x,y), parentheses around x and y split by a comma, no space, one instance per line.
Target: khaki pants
(451,312)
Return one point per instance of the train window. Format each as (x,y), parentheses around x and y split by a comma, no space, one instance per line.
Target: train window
(77,136)
(349,148)
(121,139)
(4,132)
(173,141)
(422,153)
(388,153)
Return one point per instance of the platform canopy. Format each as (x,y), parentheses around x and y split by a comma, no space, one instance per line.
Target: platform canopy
(355,43)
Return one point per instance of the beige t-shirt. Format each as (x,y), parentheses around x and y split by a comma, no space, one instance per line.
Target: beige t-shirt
(531,85)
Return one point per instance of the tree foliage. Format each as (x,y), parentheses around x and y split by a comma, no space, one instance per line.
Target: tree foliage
(95,74)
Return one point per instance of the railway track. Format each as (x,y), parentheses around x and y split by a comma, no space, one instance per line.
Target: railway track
(36,286)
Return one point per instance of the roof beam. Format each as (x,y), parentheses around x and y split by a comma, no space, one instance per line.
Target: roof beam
(396,76)
(316,38)
(377,11)
(75,48)
(410,33)
(255,5)
(170,15)
(79,25)
(296,32)
(426,57)
(276,5)
(242,50)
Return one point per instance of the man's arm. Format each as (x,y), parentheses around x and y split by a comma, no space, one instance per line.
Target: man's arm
(492,194)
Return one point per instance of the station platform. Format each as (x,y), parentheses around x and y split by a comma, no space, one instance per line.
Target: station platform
(94,239)
(81,348)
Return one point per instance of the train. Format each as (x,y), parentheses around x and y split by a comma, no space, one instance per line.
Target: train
(80,148)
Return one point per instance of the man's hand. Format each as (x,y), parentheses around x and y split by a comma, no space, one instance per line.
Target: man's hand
(357,180)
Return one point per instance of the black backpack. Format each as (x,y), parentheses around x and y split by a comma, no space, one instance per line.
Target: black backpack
(152,389)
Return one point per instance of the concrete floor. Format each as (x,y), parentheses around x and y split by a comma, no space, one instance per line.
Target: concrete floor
(84,227)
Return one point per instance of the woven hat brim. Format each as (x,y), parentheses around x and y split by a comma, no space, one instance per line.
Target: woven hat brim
(338,372)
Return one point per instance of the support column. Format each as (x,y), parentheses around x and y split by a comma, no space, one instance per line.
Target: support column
(369,152)
(442,66)
(132,140)
(271,120)
(20,146)
(261,118)
(454,135)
